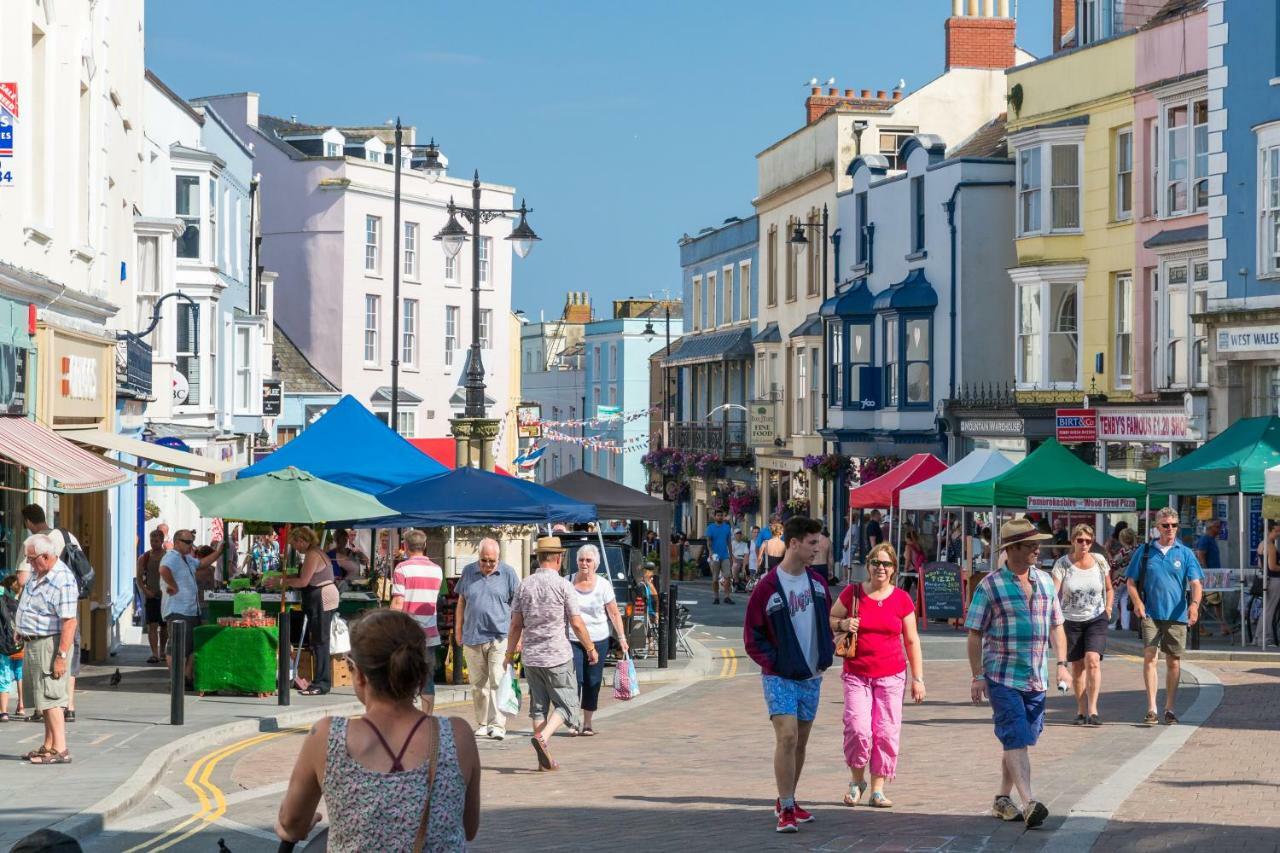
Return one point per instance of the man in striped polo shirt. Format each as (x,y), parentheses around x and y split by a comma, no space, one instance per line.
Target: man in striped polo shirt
(1012,620)
(415,588)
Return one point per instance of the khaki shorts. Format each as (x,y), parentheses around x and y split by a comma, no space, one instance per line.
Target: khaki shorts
(1168,637)
(40,690)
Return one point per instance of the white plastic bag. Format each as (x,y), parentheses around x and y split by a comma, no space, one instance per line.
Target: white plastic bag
(339,636)
(509,693)
(626,685)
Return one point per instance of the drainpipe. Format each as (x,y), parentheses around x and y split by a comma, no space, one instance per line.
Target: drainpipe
(951,206)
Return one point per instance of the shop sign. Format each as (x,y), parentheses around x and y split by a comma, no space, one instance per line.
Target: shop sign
(1077,425)
(8,129)
(272,398)
(763,423)
(172,443)
(1046,504)
(1204,509)
(1248,338)
(529,420)
(993,426)
(1144,426)
(13,380)
(133,367)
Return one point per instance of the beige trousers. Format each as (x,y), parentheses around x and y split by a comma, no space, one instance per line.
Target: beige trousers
(484,671)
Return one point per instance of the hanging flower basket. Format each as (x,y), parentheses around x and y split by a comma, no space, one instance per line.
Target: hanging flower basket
(705,465)
(826,466)
(798,506)
(744,500)
(875,466)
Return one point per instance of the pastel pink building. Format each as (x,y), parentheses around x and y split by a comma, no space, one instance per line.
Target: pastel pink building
(1168,150)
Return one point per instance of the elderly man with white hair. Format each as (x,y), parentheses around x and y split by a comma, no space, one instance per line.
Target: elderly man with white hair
(47,623)
(485,592)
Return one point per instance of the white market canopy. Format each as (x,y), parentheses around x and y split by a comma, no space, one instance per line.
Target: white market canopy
(977,466)
(1271,480)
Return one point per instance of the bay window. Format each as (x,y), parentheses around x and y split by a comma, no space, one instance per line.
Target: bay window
(835,350)
(186,361)
(802,390)
(187,209)
(815,398)
(1047,328)
(1054,164)
(917,356)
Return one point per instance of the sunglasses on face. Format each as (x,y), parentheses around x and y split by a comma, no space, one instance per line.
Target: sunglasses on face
(186,541)
(1083,541)
(881,564)
(1173,526)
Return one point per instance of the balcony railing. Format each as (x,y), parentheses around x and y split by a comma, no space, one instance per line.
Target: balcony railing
(727,439)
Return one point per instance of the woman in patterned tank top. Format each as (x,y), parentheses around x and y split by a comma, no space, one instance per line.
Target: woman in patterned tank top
(381,772)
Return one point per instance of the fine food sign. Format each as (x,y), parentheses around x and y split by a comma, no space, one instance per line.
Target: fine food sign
(763,424)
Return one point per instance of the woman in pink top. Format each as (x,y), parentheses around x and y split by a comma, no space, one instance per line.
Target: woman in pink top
(875,679)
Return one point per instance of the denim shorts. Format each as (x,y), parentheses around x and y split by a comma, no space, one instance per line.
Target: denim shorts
(790,698)
(1018,715)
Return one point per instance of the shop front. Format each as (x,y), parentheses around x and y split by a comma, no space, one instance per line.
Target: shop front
(15,346)
(1133,441)
(1244,357)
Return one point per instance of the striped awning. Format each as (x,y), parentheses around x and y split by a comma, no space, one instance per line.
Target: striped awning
(71,468)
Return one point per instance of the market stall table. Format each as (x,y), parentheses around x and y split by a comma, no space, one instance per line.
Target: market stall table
(236,660)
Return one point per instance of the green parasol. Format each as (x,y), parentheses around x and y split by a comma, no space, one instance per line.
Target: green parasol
(287,496)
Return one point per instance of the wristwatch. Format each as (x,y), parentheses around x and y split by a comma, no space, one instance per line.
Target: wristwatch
(62,655)
(1062,663)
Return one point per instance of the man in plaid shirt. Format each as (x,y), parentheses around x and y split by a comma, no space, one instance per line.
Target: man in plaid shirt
(47,622)
(1012,619)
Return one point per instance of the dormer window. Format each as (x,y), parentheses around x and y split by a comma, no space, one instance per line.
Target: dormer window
(332,149)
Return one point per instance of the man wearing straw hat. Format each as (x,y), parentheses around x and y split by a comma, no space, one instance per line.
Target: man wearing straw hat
(1013,618)
(544,610)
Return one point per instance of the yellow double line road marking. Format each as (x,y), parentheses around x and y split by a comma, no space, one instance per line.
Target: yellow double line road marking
(729,666)
(213,804)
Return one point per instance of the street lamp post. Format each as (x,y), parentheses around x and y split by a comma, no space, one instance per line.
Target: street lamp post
(474,425)
(432,170)
(799,239)
(664,594)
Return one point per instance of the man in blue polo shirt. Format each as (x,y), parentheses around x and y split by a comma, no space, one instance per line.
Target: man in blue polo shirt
(1158,576)
(719,532)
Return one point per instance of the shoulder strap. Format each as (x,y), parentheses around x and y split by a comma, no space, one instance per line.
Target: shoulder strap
(395,759)
(398,764)
(420,840)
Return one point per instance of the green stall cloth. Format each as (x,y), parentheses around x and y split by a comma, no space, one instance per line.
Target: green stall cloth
(240,660)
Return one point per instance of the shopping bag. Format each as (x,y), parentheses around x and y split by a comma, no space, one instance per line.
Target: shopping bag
(339,636)
(625,684)
(509,692)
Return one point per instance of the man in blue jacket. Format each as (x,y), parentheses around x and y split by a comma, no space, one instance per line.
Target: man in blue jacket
(788,633)
(1159,575)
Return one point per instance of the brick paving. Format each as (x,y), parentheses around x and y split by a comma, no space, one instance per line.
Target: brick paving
(693,772)
(1221,791)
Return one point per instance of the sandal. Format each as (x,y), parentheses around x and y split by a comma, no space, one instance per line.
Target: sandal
(545,761)
(153,659)
(588,732)
(52,757)
(36,753)
(854,793)
(879,801)
(4,718)
(312,691)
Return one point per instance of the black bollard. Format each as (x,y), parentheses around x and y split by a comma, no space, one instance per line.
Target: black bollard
(282,655)
(177,671)
(664,650)
(673,647)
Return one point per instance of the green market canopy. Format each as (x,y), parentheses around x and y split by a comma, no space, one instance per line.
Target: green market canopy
(1234,462)
(1051,471)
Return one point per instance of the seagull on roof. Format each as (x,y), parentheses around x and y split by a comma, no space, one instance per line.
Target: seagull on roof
(831,81)
(813,81)
(902,83)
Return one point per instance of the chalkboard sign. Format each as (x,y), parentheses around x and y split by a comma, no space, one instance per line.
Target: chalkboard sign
(942,597)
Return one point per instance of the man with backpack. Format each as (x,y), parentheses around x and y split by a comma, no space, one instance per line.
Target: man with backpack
(73,556)
(1158,577)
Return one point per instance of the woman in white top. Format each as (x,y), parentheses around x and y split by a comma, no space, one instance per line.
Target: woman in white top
(1083,581)
(599,609)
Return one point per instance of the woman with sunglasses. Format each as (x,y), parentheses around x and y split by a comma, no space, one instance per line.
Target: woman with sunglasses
(876,677)
(1083,581)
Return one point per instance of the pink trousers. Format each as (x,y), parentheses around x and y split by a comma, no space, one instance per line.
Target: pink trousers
(873,721)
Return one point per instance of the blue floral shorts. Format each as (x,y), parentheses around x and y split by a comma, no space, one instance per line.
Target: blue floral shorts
(791,698)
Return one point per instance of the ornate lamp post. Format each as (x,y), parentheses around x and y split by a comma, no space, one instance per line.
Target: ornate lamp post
(474,432)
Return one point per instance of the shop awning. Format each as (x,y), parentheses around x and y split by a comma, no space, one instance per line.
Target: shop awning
(71,468)
(191,465)
(728,345)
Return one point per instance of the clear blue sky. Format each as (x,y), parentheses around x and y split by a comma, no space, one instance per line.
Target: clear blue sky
(625,124)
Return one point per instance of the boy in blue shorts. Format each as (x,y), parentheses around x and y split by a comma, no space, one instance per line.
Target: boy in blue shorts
(788,633)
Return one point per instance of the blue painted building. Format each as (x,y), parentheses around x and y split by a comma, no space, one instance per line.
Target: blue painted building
(616,353)
(1244,211)
(712,367)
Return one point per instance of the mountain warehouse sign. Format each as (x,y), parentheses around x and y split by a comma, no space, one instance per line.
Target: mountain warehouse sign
(1248,338)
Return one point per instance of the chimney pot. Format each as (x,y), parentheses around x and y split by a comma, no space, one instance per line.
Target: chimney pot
(1003,7)
(881,95)
(973,8)
(866,93)
(815,91)
(957,8)
(832,91)
(988,8)
(897,94)
(848,93)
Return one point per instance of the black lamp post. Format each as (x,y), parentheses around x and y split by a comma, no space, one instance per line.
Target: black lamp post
(664,639)
(452,236)
(799,239)
(431,170)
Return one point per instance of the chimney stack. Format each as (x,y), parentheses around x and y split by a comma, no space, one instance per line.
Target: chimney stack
(980,34)
(1064,21)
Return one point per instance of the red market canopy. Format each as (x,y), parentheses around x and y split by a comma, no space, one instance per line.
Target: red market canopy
(443,451)
(882,492)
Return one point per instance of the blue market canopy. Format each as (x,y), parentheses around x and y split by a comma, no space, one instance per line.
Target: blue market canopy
(349,446)
(471,496)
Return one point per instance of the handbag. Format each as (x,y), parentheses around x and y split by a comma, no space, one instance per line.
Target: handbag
(847,642)
(420,840)
(339,636)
